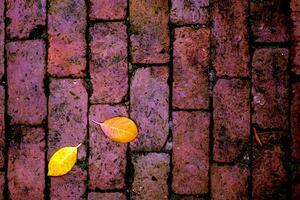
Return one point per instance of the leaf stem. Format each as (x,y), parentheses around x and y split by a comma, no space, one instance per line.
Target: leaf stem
(98,123)
(78,145)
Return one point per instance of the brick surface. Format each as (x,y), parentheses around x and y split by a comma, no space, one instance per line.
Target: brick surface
(25,74)
(231,118)
(295,36)
(190,152)
(2,35)
(25,17)
(106,196)
(150,107)
(270,88)
(150,176)
(108,66)
(108,9)
(229,182)
(2,126)
(296,183)
(269,175)
(189,12)
(66,29)
(270,20)
(230,38)
(295,119)
(2,183)
(190,68)
(107,159)
(149,31)
(26,164)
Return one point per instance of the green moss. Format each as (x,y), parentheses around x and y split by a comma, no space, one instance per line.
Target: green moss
(82,164)
(195,27)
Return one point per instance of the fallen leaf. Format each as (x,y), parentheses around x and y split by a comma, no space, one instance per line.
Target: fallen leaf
(62,161)
(257,138)
(119,129)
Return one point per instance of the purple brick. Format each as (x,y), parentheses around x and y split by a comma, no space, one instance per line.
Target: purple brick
(25,17)
(106,196)
(295,119)
(149,31)
(2,35)
(190,152)
(149,100)
(26,164)
(190,71)
(2,185)
(107,159)
(108,9)
(108,66)
(27,103)
(2,126)
(67,45)
(295,35)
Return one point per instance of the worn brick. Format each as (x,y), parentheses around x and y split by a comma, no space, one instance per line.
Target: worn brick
(108,9)
(295,36)
(25,17)
(269,175)
(2,185)
(26,164)
(269,20)
(189,12)
(190,68)
(150,176)
(107,159)
(229,182)
(2,126)
(149,31)
(270,88)
(66,29)
(296,183)
(150,107)
(108,65)
(190,152)
(2,35)
(295,119)
(27,102)
(230,38)
(177,197)
(106,196)
(231,118)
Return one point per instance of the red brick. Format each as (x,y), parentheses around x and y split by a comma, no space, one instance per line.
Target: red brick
(190,152)
(2,126)
(150,176)
(150,107)
(25,16)
(108,9)
(270,88)
(67,118)
(269,176)
(295,36)
(107,159)
(67,45)
(295,119)
(229,182)
(230,38)
(231,118)
(108,66)
(189,12)
(149,31)
(296,184)
(106,196)
(191,56)
(2,183)
(2,35)
(188,198)
(27,103)
(26,164)
(269,21)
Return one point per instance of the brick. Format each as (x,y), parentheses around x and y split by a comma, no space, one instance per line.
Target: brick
(269,175)
(107,159)
(26,164)
(190,68)
(149,31)
(295,36)
(229,182)
(187,197)
(150,176)
(108,65)
(295,119)
(270,88)
(230,38)
(231,118)
(25,17)
(67,45)
(2,184)
(150,107)
(190,152)
(106,196)
(296,183)
(269,21)
(27,103)
(108,9)
(2,35)
(189,12)
(2,126)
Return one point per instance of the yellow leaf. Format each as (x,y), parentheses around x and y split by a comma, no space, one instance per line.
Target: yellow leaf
(119,129)
(62,161)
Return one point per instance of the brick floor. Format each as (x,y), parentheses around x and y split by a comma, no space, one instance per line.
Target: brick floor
(197,76)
